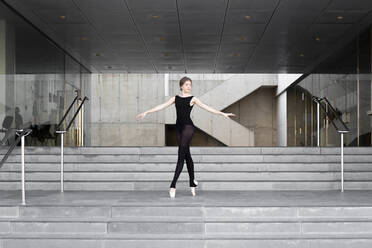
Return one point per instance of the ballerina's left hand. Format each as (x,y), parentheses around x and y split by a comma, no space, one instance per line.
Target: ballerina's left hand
(228,114)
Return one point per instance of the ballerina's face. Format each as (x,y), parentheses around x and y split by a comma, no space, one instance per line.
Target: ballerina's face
(186,87)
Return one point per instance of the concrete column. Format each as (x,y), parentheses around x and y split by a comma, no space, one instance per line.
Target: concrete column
(281,112)
(166,84)
(2,70)
(7,70)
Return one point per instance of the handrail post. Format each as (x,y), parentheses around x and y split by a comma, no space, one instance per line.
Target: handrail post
(22,133)
(341,132)
(62,132)
(318,123)
(82,125)
(342,162)
(23,169)
(62,162)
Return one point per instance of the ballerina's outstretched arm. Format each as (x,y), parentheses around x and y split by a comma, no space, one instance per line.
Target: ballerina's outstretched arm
(210,109)
(156,108)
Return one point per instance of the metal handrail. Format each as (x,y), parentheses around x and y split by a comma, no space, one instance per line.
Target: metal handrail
(13,145)
(68,110)
(345,129)
(21,137)
(324,99)
(76,113)
(62,132)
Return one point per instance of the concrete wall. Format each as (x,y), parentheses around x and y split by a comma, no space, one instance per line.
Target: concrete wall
(116,99)
(257,112)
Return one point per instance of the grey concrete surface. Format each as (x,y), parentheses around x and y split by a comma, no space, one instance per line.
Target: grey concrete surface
(211,219)
(247,197)
(217,168)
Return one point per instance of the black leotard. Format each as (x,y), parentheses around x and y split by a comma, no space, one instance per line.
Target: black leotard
(183,109)
(184,130)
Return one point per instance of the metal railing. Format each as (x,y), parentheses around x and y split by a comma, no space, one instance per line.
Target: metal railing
(21,133)
(341,130)
(68,111)
(62,133)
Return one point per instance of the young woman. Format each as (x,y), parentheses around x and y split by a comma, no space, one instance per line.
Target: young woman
(184,129)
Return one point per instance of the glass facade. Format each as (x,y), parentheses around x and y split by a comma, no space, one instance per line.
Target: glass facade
(38,81)
(345,80)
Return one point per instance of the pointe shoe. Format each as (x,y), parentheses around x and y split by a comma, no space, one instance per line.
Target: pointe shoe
(193,192)
(172,192)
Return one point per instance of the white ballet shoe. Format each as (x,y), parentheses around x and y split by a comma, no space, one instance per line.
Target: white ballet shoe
(172,192)
(193,192)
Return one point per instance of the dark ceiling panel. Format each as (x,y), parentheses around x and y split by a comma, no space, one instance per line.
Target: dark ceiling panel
(200,56)
(121,39)
(155,17)
(151,4)
(109,18)
(252,31)
(200,48)
(201,38)
(236,35)
(202,17)
(242,50)
(152,29)
(285,18)
(282,35)
(339,17)
(209,29)
(108,6)
(60,16)
(205,5)
(347,5)
(323,31)
(253,4)
(248,16)
(49,4)
(172,47)
(304,5)
(162,56)
(66,30)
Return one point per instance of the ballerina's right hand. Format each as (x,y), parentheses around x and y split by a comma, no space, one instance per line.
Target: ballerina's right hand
(228,114)
(140,116)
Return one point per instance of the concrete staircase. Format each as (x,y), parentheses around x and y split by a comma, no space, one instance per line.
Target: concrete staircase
(247,197)
(226,219)
(226,130)
(216,168)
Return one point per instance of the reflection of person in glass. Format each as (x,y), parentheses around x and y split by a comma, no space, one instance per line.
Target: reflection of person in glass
(18,122)
(18,119)
(6,129)
(184,129)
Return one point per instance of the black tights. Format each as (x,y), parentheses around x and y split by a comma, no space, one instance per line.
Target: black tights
(183,139)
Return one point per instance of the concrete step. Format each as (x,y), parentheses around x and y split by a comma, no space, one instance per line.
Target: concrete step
(45,242)
(213,220)
(196,213)
(201,167)
(216,168)
(238,219)
(205,158)
(202,230)
(201,176)
(184,185)
(194,150)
